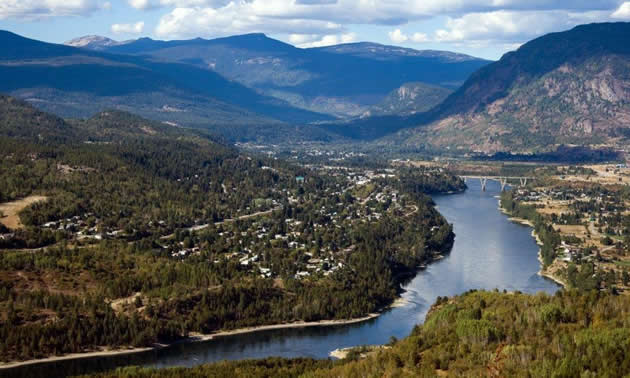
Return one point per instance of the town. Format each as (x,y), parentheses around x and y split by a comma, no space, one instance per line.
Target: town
(588,207)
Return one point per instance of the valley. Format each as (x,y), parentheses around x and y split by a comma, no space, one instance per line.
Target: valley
(203,237)
(478,259)
(243,206)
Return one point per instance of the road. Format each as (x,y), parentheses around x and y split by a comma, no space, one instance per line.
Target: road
(204,226)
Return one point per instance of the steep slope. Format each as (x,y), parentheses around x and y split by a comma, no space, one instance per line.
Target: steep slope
(79,82)
(22,121)
(342,80)
(410,98)
(568,87)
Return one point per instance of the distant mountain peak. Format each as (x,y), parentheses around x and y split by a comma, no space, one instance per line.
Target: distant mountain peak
(93,42)
(377,50)
(254,41)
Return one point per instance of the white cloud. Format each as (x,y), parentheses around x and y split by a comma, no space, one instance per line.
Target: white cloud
(140,4)
(420,38)
(314,40)
(308,22)
(240,18)
(507,27)
(301,39)
(311,21)
(397,36)
(106,5)
(37,9)
(623,12)
(135,28)
(152,4)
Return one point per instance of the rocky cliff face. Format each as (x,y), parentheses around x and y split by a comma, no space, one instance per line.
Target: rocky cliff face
(410,98)
(93,42)
(565,88)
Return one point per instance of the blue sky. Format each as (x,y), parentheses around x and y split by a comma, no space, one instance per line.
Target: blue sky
(484,28)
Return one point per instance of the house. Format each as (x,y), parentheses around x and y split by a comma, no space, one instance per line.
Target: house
(299,179)
(301,274)
(6,236)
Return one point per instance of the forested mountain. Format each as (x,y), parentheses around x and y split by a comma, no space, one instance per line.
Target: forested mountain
(73,82)
(342,80)
(126,232)
(562,88)
(477,334)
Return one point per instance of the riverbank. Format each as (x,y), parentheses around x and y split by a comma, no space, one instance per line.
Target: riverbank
(363,351)
(76,356)
(542,272)
(197,337)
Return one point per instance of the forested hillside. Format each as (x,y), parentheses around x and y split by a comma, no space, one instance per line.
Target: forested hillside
(143,232)
(342,80)
(73,82)
(476,334)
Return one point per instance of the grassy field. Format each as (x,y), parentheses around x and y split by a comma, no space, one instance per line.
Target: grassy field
(11,211)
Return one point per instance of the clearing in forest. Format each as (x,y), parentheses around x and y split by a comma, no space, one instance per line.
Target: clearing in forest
(9,211)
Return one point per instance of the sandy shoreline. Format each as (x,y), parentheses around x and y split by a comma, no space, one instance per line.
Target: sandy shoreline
(341,353)
(195,337)
(73,356)
(321,323)
(526,222)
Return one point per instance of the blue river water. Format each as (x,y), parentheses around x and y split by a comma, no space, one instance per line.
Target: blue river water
(489,252)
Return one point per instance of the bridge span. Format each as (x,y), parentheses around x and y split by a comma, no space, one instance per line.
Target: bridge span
(503,180)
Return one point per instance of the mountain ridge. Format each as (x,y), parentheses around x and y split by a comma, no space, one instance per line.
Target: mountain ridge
(570,87)
(75,82)
(329,80)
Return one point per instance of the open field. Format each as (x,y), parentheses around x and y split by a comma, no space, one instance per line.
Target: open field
(606,174)
(11,210)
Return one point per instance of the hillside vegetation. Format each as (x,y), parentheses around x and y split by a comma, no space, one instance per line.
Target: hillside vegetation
(343,80)
(476,334)
(74,82)
(149,232)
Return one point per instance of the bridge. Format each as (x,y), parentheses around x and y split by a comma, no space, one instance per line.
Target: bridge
(503,180)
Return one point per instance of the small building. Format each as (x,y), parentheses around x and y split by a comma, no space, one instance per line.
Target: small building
(299,179)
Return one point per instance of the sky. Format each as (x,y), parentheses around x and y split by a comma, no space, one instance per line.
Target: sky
(483,28)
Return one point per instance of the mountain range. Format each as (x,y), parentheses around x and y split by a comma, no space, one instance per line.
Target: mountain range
(74,82)
(566,88)
(331,80)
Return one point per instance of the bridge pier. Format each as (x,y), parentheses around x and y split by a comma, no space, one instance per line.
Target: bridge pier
(502,180)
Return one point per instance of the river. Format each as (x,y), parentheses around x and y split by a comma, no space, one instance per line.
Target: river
(489,252)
